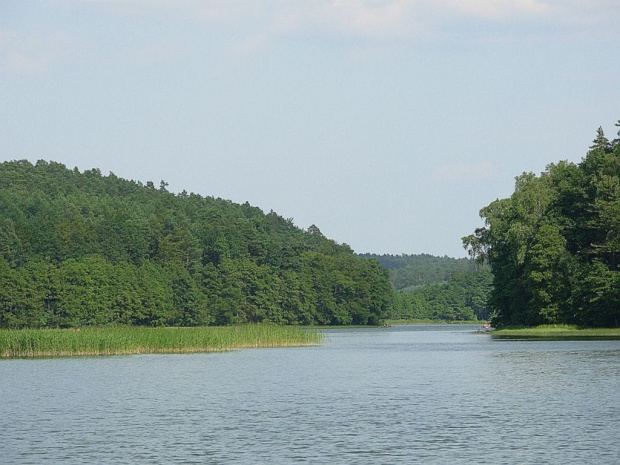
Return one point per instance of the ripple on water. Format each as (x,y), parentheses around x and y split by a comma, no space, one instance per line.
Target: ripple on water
(398,395)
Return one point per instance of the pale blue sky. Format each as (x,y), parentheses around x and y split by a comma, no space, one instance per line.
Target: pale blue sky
(388,124)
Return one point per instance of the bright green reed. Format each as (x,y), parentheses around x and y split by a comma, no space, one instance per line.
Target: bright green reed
(120,340)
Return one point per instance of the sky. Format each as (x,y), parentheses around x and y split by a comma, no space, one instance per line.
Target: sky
(387,123)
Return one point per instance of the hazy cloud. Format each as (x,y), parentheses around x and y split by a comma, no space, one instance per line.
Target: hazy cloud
(28,54)
(371,18)
(352,17)
(251,26)
(495,10)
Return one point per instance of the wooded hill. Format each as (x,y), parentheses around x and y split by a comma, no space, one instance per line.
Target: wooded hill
(408,272)
(437,288)
(554,245)
(80,248)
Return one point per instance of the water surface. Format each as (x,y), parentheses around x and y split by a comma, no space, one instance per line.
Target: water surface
(406,394)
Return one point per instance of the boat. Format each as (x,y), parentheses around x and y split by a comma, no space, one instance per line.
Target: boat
(486,328)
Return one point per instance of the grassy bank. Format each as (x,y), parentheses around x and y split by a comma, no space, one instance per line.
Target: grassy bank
(122,340)
(557,332)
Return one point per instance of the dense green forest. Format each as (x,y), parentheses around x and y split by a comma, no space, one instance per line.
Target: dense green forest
(554,245)
(462,298)
(437,288)
(408,272)
(80,248)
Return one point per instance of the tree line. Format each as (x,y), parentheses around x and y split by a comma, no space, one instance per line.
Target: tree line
(437,288)
(463,297)
(554,245)
(408,272)
(82,248)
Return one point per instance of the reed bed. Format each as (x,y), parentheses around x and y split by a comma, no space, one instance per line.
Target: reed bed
(558,332)
(124,340)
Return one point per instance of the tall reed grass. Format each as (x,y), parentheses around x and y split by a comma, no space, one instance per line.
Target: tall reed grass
(119,340)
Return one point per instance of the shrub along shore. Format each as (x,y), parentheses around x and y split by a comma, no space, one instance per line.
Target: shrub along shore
(558,332)
(125,340)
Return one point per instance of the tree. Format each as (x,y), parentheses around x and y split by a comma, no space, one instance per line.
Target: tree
(554,245)
(88,249)
(600,141)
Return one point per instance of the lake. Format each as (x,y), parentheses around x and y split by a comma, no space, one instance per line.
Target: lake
(405,394)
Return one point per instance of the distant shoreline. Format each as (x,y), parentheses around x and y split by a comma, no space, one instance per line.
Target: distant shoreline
(556,332)
(432,322)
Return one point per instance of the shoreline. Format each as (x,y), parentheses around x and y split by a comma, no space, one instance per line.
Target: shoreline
(433,322)
(133,340)
(567,332)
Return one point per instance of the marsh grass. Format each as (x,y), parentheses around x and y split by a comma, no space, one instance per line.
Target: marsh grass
(557,332)
(122,340)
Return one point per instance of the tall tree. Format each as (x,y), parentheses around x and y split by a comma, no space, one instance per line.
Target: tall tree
(554,245)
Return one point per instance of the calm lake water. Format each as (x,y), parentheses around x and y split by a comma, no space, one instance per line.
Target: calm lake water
(410,394)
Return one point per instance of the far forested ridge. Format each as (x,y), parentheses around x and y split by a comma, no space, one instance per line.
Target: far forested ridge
(408,272)
(437,288)
(83,248)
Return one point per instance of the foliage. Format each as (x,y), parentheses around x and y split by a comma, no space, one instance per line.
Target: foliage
(554,245)
(437,288)
(80,248)
(462,298)
(408,272)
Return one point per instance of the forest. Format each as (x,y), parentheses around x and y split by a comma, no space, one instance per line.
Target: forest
(437,288)
(409,272)
(82,248)
(554,245)
(87,249)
